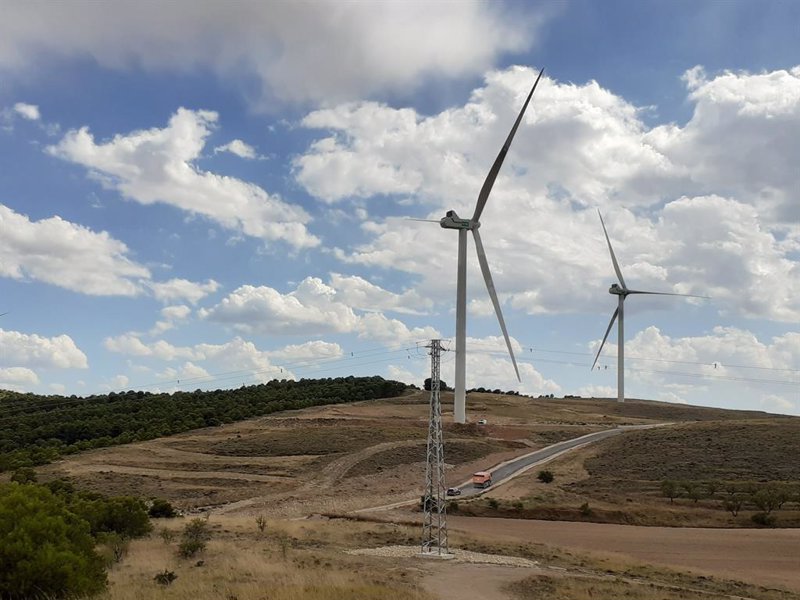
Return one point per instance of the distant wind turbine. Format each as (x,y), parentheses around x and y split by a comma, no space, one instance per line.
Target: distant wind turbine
(622,292)
(452,221)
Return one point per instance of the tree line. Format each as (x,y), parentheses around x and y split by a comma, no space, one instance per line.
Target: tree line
(35,430)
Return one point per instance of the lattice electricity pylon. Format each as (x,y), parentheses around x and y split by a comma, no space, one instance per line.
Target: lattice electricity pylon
(434,525)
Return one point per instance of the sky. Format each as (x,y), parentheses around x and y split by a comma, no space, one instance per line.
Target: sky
(209,195)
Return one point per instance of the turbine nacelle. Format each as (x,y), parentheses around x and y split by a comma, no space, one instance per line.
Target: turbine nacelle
(617,290)
(451,220)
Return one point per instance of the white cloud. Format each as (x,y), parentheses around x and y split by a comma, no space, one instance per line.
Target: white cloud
(779,404)
(68,255)
(694,225)
(376,326)
(32,350)
(404,375)
(183,289)
(187,371)
(743,139)
(308,351)
(734,359)
(239,148)
(489,366)
(130,344)
(17,378)
(310,309)
(361,294)
(597,391)
(176,312)
(170,315)
(315,308)
(295,50)
(27,111)
(230,360)
(725,247)
(157,166)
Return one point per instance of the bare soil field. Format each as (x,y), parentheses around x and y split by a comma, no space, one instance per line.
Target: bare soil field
(768,557)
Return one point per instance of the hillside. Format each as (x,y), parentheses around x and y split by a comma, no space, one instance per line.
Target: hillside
(35,430)
(347,456)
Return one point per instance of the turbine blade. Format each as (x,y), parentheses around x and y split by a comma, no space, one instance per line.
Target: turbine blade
(422,220)
(668,294)
(487,277)
(605,337)
(498,162)
(611,250)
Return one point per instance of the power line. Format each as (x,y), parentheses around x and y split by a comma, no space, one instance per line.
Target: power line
(641,370)
(718,363)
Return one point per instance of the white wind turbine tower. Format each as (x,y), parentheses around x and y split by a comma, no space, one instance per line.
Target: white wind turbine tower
(622,292)
(452,221)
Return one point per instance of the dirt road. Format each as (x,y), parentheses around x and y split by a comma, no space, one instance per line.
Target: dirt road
(762,556)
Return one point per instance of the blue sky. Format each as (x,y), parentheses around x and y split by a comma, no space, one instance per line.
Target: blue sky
(210,195)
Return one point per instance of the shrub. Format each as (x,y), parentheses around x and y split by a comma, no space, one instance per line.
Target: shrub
(261,523)
(493,503)
(669,489)
(518,505)
(188,548)
(165,577)
(585,509)
(452,506)
(24,475)
(763,519)
(545,476)
(194,538)
(46,550)
(733,504)
(167,535)
(115,547)
(161,509)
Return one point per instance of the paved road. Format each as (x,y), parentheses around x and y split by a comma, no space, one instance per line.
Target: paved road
(516,466)
(509,469)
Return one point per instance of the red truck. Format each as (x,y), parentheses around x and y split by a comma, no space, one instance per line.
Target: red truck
(481,479)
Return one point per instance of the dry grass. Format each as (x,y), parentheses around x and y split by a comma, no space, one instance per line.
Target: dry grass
(307,560)
(288,561)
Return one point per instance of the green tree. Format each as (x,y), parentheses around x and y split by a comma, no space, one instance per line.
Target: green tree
(124,515)
(669,489)
(46,550)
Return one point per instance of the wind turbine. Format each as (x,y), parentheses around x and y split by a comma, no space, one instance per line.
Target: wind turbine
(452,221)
(622,292)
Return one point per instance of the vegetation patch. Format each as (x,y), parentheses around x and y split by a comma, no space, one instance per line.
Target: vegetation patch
(35,430)
(315,439)
(456,453)
(723,451)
